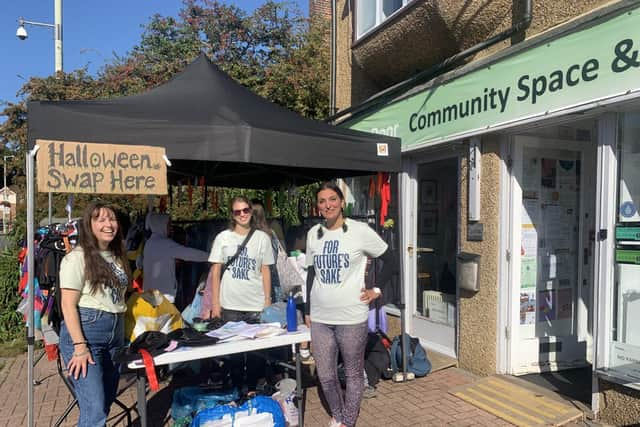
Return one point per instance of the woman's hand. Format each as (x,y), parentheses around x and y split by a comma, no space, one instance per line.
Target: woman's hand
(307,320)
(267,301)
(79,361)
(368,295)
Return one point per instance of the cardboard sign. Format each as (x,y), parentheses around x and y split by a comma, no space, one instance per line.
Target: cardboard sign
(78,167)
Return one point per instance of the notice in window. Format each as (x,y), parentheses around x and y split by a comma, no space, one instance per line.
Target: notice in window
(528,272)
(527,308)
(549,173)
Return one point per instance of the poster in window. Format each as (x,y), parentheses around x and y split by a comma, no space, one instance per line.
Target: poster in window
(528,272)
(527,308)
(548,173)
(565,304)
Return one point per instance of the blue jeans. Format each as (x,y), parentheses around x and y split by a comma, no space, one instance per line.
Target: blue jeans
(350,341)
(96,392)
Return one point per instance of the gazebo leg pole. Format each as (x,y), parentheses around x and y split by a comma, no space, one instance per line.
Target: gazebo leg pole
(30,282)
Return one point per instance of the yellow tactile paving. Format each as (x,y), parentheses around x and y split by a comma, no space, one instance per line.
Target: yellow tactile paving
(511,388)
(492,410)
(518,405)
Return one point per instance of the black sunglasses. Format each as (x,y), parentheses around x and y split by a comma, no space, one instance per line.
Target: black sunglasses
(237,212)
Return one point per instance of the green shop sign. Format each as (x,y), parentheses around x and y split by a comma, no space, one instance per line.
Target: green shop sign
(627,233)
(584,66)
(627,257)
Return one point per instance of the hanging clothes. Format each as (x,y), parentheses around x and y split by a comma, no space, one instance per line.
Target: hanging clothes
(385,197)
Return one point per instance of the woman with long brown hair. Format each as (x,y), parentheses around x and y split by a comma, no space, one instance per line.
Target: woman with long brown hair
(94,278)
(242,288)
(338,299)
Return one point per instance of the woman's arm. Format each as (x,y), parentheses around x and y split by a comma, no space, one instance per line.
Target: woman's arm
(389,267)
(216,309)
(185,253)
(266,284)
(81,352)
(311,275)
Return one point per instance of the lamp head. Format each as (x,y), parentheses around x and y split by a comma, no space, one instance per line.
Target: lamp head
(21,33)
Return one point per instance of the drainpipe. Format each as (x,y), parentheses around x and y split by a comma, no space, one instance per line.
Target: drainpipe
(332,93)
(440,68)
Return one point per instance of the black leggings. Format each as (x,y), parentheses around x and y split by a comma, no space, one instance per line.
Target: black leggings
(245,368)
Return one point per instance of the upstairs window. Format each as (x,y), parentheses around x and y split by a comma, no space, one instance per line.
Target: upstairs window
(372,13)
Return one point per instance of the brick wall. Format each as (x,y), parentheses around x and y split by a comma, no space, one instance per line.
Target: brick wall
(320,8)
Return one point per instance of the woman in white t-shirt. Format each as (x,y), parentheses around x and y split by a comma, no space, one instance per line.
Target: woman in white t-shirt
(338,303)
(243,289)
(94,278)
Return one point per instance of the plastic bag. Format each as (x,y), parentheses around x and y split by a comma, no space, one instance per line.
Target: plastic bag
(285,396)
(290,278)
(244,415)
(193,310)
(277,312)
(187,401)
(150,311)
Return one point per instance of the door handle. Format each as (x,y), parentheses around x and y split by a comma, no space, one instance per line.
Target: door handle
(425,250)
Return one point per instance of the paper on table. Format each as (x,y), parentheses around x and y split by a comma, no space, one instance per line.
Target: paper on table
(239,330)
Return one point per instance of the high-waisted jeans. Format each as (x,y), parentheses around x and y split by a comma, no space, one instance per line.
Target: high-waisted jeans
(350,341)
(96,392)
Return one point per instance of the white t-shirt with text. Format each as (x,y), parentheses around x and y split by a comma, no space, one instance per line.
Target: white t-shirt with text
(241,287)
(339,259)
(72,277)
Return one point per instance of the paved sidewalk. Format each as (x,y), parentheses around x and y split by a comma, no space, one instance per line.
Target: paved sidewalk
(422,402)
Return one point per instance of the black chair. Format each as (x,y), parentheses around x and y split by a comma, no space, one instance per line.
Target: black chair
(67,382)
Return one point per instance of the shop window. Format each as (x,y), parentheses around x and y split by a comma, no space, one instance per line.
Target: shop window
(625,347)
(372,13)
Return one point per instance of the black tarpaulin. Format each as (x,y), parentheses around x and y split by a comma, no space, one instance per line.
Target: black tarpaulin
(214,127)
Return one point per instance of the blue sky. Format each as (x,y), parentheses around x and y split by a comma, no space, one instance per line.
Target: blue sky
(92,31)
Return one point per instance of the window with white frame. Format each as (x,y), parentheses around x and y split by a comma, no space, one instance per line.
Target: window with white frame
(624,356)
(372,13)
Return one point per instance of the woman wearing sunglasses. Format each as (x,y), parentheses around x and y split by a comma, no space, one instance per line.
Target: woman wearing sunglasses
(241,288)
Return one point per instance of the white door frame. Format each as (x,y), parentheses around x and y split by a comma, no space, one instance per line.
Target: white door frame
(510,265)
(503,353)
(409,243)
(604,253)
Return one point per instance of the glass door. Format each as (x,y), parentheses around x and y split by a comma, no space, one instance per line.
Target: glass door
(435,296)
(551,258)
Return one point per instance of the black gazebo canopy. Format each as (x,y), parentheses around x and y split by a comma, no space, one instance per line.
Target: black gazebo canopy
(212,126)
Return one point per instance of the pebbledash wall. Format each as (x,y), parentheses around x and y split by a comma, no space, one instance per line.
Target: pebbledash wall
(581,65)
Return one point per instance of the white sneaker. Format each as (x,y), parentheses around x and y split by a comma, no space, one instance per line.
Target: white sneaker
(334,423)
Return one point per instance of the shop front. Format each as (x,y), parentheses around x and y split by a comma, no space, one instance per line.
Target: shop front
(529,160)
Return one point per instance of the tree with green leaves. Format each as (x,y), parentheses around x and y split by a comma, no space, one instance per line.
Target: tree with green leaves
(274,51)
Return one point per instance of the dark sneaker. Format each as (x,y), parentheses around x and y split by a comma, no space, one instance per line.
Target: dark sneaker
(369,392)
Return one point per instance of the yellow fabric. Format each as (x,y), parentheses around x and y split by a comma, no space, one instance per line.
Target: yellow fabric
(150,311)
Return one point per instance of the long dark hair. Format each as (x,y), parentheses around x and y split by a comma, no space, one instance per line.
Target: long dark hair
(330,185)
(96,269)
(232,219)
(259,217)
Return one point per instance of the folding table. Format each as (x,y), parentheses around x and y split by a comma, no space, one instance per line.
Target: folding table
(184,354)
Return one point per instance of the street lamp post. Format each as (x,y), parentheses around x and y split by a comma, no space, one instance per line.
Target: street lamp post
(57,39)
(57,48)
(57,32)
(4,197)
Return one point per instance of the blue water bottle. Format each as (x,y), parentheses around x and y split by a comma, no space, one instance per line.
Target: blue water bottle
(292,316)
